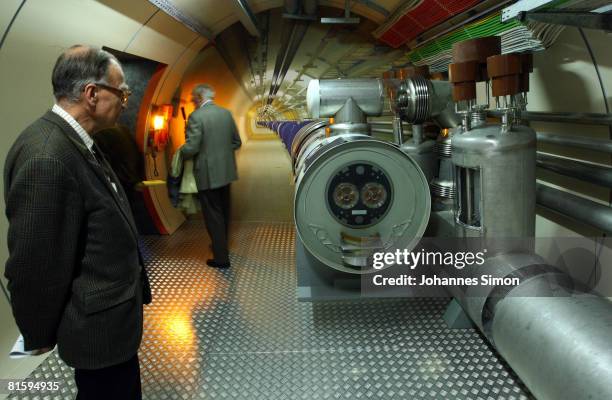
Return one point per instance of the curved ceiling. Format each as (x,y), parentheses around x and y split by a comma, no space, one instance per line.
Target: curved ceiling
(273,52)
(325,51)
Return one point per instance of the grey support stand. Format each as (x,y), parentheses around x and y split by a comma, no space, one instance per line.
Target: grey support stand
(456,318)
(316,281)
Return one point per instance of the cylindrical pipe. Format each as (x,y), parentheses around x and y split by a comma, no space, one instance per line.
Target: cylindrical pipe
(558,346)
(564,117)
(381,130)
(417,133)
(325,97)
(555,340)
(398,131)
(600,145)
(597,174)
(349,113)
(386,123)
(576,207)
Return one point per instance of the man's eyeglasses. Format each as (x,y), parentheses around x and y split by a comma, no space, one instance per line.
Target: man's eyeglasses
(123,94)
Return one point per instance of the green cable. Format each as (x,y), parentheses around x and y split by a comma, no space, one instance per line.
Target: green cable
(488,26)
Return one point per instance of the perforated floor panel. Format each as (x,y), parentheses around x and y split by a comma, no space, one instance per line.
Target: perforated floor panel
(241,334)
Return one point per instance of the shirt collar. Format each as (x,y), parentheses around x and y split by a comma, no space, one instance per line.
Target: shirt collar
(206,102)
(75,125)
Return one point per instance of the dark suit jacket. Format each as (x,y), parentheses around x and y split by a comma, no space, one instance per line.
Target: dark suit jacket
(211,139)
(74,271)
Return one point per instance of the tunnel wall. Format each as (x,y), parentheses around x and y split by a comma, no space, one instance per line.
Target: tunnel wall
(565,79)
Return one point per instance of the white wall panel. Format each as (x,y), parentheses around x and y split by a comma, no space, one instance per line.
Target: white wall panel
(8,8)
(564,79)
(162,39)
(172,78)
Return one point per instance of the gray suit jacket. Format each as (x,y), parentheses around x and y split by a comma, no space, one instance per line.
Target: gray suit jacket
(74,271)
(211,139)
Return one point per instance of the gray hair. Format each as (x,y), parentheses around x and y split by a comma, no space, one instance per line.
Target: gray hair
(205,91)
(77,67)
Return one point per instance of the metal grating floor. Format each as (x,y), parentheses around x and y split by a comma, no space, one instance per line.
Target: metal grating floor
(241,334)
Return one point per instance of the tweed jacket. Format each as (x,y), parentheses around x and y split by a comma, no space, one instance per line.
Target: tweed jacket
(75,274)
(211,139)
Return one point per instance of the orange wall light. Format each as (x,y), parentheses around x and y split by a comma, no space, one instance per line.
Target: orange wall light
(158,122)
(158,135)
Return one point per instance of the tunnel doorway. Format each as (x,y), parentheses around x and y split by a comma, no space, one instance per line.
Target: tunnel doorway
(125,145)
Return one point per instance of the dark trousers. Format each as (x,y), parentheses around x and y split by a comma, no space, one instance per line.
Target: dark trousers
(117,382)
(216,210)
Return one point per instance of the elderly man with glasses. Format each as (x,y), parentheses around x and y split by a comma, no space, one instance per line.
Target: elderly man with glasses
(75,273)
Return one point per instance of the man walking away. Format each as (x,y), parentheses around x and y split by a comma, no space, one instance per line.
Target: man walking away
(211,139)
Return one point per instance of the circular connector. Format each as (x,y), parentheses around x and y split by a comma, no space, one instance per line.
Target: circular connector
(346,195)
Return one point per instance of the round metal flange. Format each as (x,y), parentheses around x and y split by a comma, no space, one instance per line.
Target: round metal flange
(393,206)
(303,135)
(413,100)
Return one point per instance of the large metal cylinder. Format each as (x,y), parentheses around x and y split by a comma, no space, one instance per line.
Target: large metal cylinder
(558,346)
(325,98)
(495,181)
(355,196)
(557,342)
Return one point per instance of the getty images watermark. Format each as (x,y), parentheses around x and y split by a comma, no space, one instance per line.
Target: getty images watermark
(441,259)
(413,259)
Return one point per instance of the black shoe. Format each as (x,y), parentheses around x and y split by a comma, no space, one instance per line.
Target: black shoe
(214,264)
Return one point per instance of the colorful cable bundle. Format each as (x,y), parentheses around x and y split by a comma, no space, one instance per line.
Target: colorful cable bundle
(420,18)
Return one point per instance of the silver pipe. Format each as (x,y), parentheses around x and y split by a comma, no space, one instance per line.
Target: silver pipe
(350,113)
(564,117)
(558,346)
(386,123)
(417,133)
(597,174)
(555,340)
(468,196)
(575,207)
(325,97)
(600,145)
(398,131)
(381,130)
